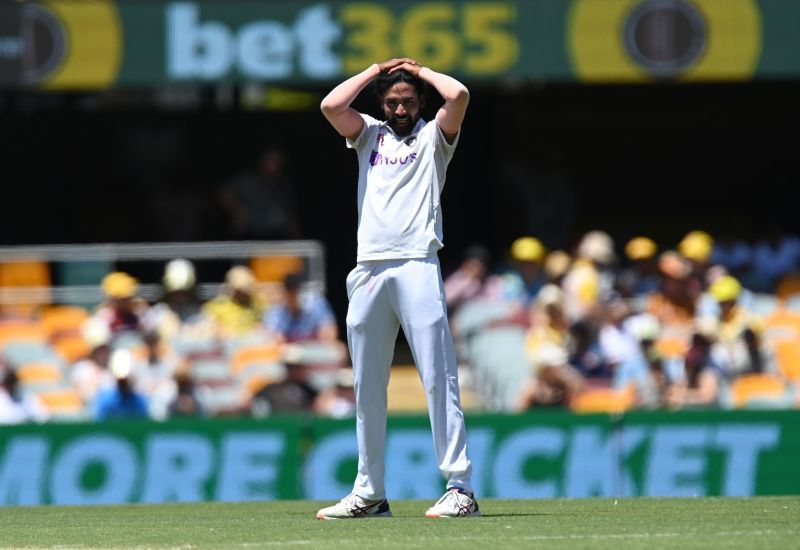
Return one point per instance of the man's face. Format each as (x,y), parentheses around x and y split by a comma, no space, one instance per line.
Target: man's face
(401,107)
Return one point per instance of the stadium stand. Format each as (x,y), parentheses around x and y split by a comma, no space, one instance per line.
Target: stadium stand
(42,344)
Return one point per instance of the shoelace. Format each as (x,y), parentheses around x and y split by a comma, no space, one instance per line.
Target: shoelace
(356,505)
(462,502)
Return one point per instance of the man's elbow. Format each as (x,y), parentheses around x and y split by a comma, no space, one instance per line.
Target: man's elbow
(460,96)
(463,94)
(326,107)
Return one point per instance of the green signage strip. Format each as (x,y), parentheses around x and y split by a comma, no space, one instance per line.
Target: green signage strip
(544,455)
(95,44)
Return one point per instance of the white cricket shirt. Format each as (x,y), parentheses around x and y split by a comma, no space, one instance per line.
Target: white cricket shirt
(400,180)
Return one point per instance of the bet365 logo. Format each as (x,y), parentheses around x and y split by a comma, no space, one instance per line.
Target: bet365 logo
(209,49)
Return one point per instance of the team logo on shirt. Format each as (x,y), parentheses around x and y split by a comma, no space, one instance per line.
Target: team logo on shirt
(377,159)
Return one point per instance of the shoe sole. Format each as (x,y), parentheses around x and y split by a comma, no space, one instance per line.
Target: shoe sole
(383,515)
(439,516)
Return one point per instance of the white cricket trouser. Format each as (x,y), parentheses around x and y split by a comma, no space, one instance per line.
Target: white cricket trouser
(385,295)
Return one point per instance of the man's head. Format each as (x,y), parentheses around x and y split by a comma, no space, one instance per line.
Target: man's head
(291,286)
(241,284)
(120,289)
(271,163)
(402,98)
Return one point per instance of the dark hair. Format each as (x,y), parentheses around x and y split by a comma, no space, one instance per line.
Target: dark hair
(477,252)
(292,281)
(387,80)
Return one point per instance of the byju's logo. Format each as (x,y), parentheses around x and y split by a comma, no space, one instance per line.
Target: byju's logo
(377,159)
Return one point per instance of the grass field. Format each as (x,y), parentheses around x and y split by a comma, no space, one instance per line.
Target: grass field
(761,522)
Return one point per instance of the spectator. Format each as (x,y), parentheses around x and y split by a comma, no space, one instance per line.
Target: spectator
(91,375)
(554,381)
(260,202)
(179,304)
(239,308)
(123,311)
(548,324)
(185,401)
(700,383)
(301,316)
(696,247)
(641,276)
(673,304)
(293,394)
(121,401)
(154,377)
(338,401)
(16,408)
(708,305)
(736,332)
(585,353)
(468,281)
(662,371)
(774,256)
(622,350)
(522,281)
(590,280)
(556,266)
(554,384)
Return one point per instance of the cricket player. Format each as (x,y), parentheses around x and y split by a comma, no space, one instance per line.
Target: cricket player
(397,280)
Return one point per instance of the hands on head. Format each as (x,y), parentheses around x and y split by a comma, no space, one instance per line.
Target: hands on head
(402,63)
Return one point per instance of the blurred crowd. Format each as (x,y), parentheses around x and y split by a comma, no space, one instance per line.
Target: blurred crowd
(240,353)
(709,323)
(604,327)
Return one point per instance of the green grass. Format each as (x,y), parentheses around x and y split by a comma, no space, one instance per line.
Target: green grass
(760,522)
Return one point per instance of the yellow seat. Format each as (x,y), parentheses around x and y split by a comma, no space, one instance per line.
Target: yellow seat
(71,347)
(672,347)
(755,386)
(39,373)
(247,355)
(787,354)
(58,319)
(61,402)
(21,331)
(603,400)
(788,286)
(782,334)
(273,269)
(24,274)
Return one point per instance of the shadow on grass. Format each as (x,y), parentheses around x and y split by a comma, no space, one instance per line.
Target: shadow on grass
(525,514)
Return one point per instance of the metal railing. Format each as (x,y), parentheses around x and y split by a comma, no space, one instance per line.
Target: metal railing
(312,252)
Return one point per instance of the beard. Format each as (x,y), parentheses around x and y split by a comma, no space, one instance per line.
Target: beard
(403,126)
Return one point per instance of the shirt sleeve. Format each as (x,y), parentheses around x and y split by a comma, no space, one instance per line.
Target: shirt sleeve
(275,319)
(441,142)
(364,137)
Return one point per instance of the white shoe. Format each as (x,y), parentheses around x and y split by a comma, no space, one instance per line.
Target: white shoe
(353,506)
(455,503)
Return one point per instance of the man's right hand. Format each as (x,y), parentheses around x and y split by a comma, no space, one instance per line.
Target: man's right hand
(386,66)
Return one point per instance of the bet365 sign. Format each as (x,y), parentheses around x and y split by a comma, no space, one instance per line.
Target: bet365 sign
(95,44)
(324,40)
